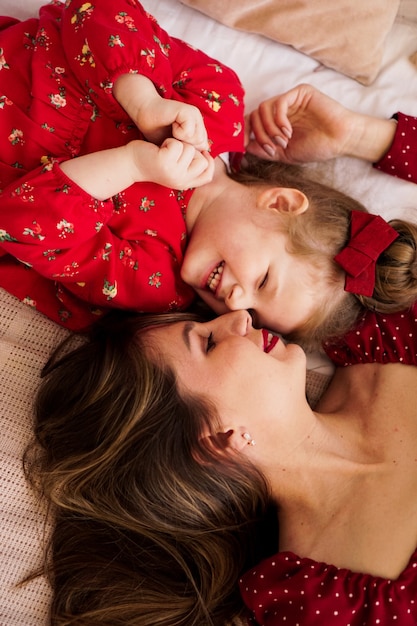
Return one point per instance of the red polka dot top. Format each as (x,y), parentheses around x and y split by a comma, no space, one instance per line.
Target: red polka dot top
(401,158)
(291,591)
(378,338)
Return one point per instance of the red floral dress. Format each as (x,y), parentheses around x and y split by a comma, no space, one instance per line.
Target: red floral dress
(62,251)
(286,590)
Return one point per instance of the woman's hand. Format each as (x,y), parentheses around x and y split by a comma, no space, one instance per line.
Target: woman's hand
(305,125)
(159,118)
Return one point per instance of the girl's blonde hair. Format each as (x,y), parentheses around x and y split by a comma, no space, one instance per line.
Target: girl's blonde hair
(320,233)
(152,525)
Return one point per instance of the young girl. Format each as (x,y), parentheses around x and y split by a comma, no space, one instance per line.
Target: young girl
(344,252)
(85,234)
(282,248)
(95,76)
(289,254)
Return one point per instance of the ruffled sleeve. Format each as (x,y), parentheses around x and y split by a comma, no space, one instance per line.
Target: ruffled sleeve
(106,39)
(124,252)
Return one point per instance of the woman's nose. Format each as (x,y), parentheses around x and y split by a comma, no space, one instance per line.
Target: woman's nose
(237,298)
(235,323)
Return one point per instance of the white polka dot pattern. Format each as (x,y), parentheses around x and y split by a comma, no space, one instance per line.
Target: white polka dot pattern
(401,159)
(286,590)
(378,338)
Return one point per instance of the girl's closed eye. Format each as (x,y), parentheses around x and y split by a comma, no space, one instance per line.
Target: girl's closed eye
(264,281)
(210,343)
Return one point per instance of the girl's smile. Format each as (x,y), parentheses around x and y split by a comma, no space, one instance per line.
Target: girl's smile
(214,279)
(248,266)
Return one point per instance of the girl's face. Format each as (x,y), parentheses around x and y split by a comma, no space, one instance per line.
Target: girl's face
(237,258)
(250,375)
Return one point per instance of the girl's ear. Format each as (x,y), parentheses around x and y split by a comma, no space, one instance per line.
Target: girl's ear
(283,200)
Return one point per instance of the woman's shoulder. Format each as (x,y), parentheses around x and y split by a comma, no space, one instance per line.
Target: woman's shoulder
(378,338)
(287,589)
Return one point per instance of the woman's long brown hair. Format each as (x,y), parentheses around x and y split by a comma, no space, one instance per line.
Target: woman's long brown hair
(152,525)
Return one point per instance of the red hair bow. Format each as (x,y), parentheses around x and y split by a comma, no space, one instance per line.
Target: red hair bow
(370,235)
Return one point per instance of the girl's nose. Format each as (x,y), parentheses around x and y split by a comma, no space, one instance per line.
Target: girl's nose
(237,298)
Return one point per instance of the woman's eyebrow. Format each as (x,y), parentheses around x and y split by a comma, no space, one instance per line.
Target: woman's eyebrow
(188,327)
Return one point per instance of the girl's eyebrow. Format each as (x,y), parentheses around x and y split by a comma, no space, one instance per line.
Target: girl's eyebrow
(188,327)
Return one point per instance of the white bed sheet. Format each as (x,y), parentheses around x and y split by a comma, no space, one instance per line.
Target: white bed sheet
(267,68)
(26,337)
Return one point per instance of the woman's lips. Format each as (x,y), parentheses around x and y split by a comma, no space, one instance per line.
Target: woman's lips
(270,340)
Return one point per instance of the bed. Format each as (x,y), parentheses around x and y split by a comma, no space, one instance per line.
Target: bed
(364,56)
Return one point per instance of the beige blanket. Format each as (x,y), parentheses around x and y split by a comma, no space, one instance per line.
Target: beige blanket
(26,340)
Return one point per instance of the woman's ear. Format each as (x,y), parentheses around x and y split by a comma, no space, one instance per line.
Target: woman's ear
(235,439)
(283,200)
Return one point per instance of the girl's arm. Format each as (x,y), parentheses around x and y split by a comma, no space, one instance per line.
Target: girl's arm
(108,41)
(123,252)
(174,164)
(159,118)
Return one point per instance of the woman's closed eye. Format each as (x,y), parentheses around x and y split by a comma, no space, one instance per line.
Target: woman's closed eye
(210,343)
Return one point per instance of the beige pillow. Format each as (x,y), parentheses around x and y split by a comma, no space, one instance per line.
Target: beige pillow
(345,35)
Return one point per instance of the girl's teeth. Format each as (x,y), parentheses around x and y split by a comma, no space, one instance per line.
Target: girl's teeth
(215,277)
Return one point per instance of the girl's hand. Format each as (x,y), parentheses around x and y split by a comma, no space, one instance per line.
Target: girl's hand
(174,164)
(169,118)
(159,118)
(304,125)
(105,173)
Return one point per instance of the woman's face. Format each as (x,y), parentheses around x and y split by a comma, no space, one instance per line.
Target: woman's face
(237,258)
(248,374)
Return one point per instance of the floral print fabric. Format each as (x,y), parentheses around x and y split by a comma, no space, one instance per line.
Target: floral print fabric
(62,251)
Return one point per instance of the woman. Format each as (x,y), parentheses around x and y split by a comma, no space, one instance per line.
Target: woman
(135,489)
(172,440)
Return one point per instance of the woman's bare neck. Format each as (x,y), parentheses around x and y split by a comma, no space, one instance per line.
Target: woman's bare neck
(354,505)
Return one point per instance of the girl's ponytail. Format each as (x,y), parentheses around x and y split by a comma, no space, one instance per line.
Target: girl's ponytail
(396,272)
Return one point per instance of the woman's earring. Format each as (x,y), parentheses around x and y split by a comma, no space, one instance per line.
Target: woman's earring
(248,438)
